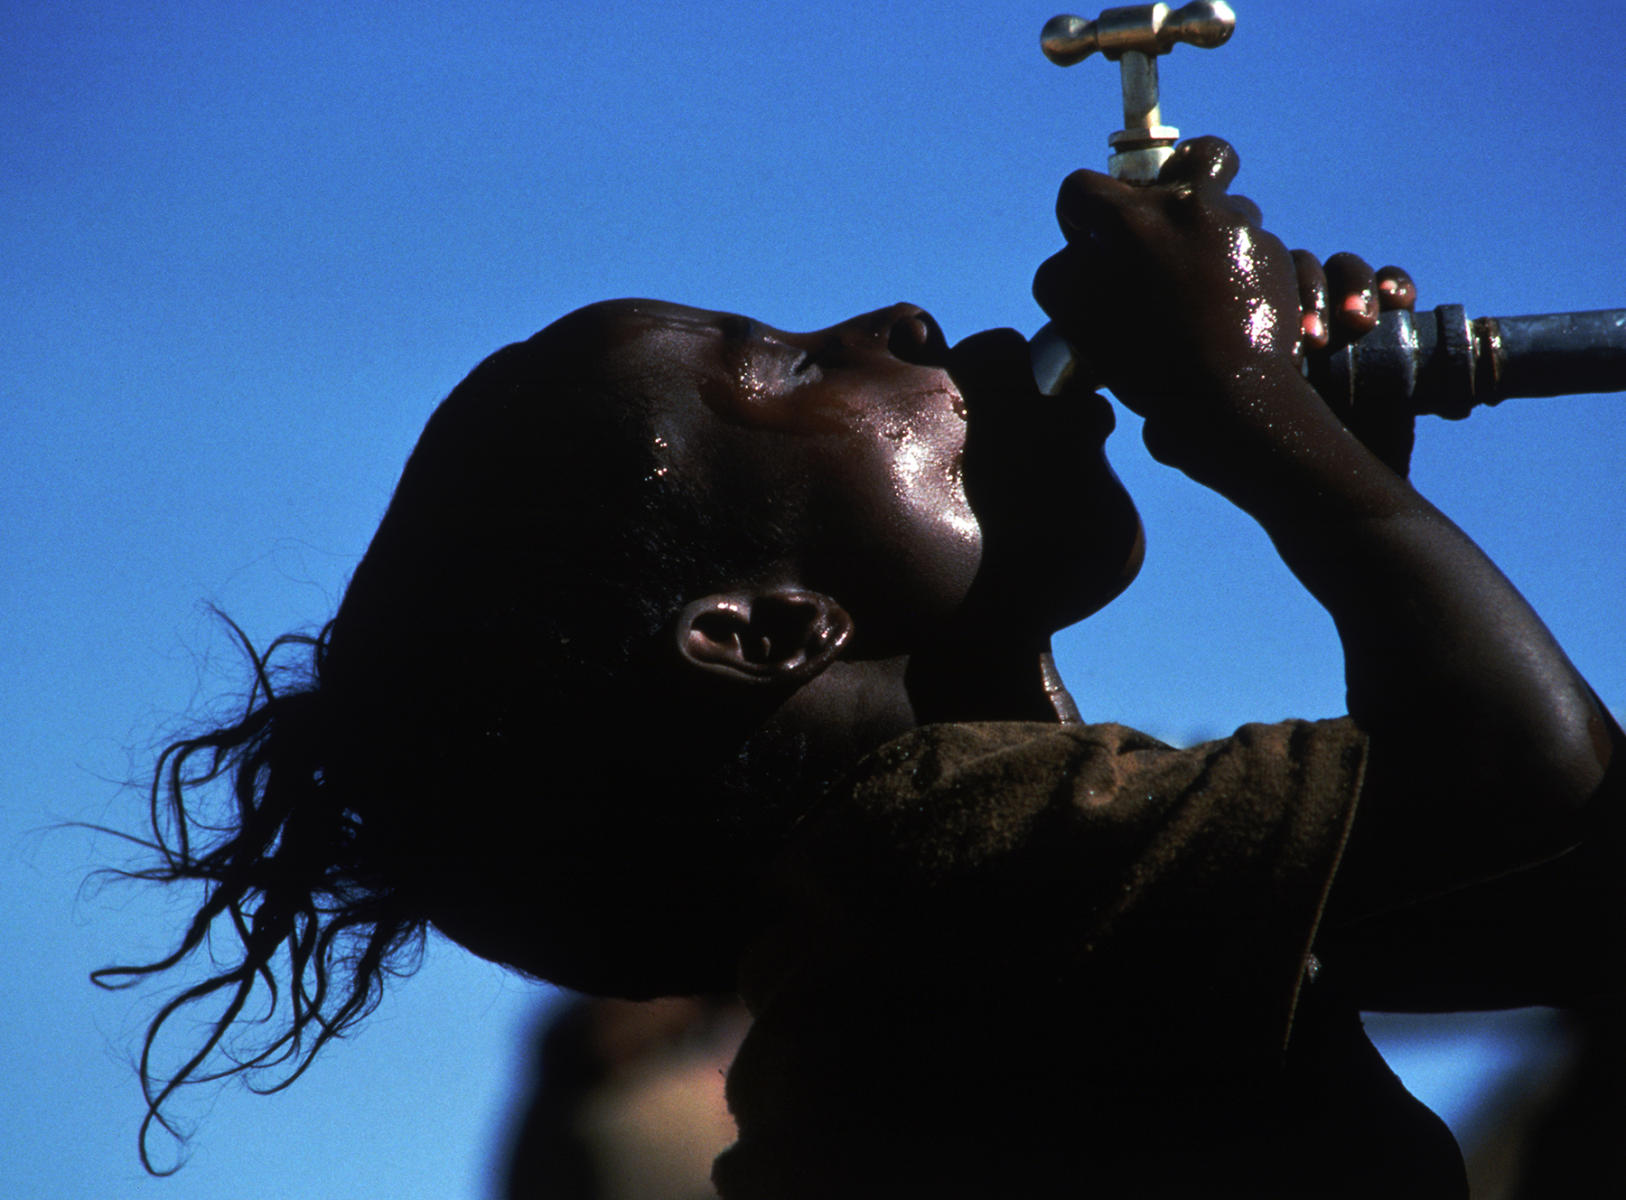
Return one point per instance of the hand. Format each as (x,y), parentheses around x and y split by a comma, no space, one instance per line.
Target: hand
(1172,292)
(1341,303)
(1169,290)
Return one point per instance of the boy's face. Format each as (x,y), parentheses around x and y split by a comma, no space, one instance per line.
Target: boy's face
(855,438)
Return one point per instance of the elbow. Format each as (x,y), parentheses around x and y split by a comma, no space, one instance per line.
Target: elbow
(1567,770)
(1539,771)
(1602,787)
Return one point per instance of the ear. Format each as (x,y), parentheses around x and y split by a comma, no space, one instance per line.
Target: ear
(781,636)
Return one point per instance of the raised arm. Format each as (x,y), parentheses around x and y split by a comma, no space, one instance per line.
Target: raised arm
(1487,748)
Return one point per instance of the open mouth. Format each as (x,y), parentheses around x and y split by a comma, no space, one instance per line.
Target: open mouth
(994,371)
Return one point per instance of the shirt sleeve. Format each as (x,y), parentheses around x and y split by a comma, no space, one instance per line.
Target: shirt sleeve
(1097,854)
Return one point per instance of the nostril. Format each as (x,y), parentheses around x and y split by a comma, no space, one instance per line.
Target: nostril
(916,338)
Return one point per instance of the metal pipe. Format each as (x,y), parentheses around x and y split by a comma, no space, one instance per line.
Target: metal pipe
(1133,37)
(1438,361)
(1442,363)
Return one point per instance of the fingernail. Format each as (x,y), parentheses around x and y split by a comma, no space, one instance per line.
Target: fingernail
(1388,286)
(1313,328)
(1362,304)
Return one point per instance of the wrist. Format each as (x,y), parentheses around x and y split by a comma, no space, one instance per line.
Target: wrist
(1262,437)
(1208,421)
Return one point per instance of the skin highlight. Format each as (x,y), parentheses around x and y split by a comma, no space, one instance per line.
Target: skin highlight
(921,522)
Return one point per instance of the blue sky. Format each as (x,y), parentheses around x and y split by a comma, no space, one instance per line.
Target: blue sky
(249,247)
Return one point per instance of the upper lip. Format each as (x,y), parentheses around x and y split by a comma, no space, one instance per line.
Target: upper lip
(994,373)
(991,363)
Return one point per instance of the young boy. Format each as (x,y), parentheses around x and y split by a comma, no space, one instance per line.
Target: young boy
(692,655)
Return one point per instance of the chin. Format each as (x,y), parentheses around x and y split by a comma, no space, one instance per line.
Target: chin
(1106,576)
(1057,582)
(1061,535)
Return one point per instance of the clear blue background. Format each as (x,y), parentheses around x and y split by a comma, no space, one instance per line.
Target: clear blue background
(247,247)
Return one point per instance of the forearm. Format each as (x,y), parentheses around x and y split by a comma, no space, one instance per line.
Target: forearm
(1487,750)
(1448,668)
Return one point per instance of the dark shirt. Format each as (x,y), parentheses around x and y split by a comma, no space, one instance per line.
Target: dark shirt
(1030,960)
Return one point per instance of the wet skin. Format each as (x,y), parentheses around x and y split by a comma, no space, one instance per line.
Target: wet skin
(1486,747)
(944,520)
(931,490)
(940,519)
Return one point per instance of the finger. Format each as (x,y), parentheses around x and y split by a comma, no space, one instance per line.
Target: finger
(1247,210)
(1204,162)
(1354,291)
(1312,300)
(1395,289)
(1090,204)
(1060,288)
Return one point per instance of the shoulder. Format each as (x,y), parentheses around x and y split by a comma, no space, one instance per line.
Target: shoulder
(965,792)
(1025,765)
(1005,757)
(943,800)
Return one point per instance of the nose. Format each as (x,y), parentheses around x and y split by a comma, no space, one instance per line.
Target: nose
(903,331)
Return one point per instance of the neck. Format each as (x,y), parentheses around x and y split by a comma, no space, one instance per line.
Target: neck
(989,683)
(856,706)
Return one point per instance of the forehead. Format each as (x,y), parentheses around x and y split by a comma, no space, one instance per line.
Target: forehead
(613,329)
(650,353)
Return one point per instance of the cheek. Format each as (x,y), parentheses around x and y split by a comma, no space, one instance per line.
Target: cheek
(904,544)
(928,481)
(943,546)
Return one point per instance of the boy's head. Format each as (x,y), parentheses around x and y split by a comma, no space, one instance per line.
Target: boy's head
(629,564)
